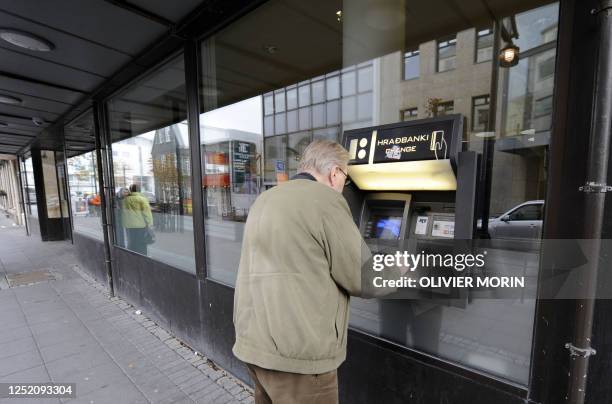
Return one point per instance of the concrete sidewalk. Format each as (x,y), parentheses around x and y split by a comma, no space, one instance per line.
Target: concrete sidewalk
(59,325)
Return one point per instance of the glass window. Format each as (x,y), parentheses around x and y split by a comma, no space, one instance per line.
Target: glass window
(85,195)
(484,45)
(445,108)
(497,338)
(409,114)
(269,125)
(527,212)
(532,79)
(318,91)
(536,27)
(292,98)
(152,167)
(30,188)
(268,104)
(333,113)
(349,109)
(280,124)
(333,87)
(480,113)
(318,115)
(412,62)
(447,54)
(365,106)
(279,101)
(292,121)
(349,83)
(276,166)
(365,79)
(304,118)
(304,95)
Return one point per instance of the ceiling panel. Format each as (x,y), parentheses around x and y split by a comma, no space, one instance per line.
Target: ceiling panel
(42,70)
(171,10)
(95,20)
(38,90)
(70,50)
(21,110)
(37,103)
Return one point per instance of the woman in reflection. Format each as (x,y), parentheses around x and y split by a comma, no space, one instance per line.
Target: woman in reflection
(137,218)
(119,229)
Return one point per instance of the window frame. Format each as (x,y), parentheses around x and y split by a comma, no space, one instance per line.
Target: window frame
(450,41)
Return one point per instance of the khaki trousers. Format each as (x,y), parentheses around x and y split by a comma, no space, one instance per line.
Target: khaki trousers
(275,387)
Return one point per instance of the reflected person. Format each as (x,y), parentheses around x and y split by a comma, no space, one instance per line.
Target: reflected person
(136,218)
(301,259)
(119,228)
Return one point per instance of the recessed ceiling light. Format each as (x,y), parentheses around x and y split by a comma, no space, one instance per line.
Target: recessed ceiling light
(38,121)
(9,99)
(26,40)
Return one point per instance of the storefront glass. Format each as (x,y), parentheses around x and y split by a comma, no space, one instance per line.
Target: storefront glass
(151,167)
(85,195)
(83,180)
(29,188)
(290,72)
(52,194)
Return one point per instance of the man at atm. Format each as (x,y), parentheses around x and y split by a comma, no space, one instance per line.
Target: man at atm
(301,259)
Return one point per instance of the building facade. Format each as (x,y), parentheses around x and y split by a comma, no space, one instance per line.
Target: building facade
(213,117)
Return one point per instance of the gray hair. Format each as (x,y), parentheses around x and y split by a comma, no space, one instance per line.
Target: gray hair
(322,155)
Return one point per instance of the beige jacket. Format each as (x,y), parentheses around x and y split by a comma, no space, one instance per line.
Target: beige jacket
(301,259)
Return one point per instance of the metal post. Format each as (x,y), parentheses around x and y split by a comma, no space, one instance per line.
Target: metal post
(595,190)
(192,78)
(22,190)
(488,150)
(103,201)
(68,191)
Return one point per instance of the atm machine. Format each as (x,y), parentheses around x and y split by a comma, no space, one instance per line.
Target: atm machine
(412,185)
(410,178)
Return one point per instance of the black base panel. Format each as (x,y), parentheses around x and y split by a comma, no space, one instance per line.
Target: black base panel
(199,312)
(90,253)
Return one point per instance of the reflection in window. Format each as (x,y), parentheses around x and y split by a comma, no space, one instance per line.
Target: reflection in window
(412,61)
(444,108)
(51,184)
(231,152)
(85,199)
(409,114)
(447,54)
(368,96)
(480,113)
(484,45)
(152,168)
(29,188)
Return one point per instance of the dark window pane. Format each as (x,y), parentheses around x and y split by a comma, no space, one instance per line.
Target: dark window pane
(153,159)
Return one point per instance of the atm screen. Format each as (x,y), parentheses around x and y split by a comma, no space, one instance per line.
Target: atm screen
(384,223)
(387,227)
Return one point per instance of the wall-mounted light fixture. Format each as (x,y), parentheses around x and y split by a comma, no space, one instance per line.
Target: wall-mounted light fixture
(509,55)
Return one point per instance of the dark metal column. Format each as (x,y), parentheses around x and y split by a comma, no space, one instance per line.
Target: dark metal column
(595,190)
(104,197)
(488,147)
(22,190)
(192,84)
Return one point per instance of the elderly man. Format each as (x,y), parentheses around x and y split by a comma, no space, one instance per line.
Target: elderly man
(301,259)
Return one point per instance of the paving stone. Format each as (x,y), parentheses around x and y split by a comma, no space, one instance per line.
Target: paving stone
(71,330)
